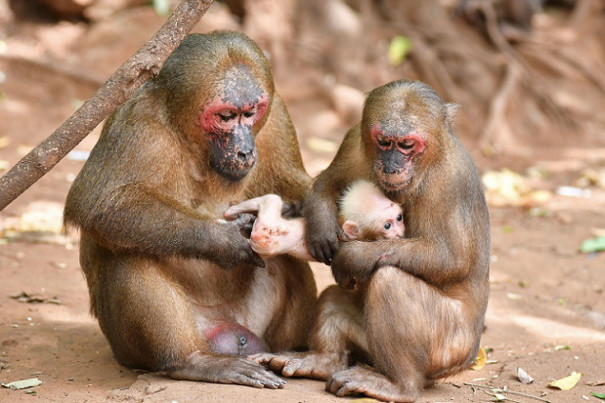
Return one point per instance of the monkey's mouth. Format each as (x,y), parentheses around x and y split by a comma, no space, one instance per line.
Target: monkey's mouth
(396,182)
(233,174)
(235,168)
(390,186)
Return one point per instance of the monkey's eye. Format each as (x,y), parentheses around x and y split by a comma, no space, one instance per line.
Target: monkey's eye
(383,142)
(250,112)
(387,226)
(226,116)
(399,218)
(406,144)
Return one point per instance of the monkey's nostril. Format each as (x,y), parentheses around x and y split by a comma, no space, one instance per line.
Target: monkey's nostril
(242,155)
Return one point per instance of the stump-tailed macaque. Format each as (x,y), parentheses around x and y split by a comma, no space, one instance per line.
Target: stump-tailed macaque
(417,307)
(365,213)
(174,289)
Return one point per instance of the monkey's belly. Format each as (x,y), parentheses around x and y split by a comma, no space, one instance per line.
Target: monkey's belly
(207,284)
(245,296)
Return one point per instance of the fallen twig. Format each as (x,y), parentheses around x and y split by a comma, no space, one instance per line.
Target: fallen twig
(500,390)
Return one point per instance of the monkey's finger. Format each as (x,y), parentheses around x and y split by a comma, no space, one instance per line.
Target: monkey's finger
(318,254)
(244,219)
(291,209)
(256,259)
(328,250)
(261,358)
(332,385)
(252,374)
(269,380)
(249,206)
(246,230)
(346,282)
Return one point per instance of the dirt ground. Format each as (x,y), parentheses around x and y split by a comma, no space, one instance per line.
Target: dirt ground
(546,312)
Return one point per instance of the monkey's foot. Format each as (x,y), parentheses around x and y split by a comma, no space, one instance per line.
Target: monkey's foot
(307,365)
(235,370)
(369,383)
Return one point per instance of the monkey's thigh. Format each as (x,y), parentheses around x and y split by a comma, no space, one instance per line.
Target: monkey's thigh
(415,331)
(144,315)
(289,328)
(339,325)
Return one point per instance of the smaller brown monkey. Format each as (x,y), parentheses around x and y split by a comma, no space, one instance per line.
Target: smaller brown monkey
(365,214)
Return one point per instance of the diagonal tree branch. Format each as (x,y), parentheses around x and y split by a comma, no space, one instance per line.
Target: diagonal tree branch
(142,66)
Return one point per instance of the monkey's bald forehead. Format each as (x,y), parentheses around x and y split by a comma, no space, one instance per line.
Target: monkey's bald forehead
(240,87)
(403,109)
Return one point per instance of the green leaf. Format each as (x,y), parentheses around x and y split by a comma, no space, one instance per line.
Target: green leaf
(507,229)
(399,48)
(593,245)
(162,7)
(599,395)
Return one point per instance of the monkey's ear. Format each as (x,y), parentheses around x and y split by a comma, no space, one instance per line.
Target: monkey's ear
(450,112)
(351,229)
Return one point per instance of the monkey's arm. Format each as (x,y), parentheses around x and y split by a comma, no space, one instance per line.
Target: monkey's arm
(141,220)
(280,168)
(320,208)
(434,262)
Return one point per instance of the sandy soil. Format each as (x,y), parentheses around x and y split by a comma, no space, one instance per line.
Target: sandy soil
(546,312)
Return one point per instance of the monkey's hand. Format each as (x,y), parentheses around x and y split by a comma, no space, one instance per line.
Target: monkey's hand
(323,232)
(354,263)
(291,209)
(229,247)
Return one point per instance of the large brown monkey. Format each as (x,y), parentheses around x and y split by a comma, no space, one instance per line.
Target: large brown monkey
(417,310)
(175,289)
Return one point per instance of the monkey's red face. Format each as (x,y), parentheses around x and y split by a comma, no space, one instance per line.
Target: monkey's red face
(395,156)
(228,121)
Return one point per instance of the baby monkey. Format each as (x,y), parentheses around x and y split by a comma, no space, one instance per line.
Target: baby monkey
(365,214)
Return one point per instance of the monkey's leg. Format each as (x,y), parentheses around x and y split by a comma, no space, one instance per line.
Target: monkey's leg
(337,328)
(414,333)
(150,324)
(291,323)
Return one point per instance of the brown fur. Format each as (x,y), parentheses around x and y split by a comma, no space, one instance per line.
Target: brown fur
(155,256)
(416,313)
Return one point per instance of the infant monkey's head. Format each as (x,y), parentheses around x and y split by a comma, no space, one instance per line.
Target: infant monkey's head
(367,214)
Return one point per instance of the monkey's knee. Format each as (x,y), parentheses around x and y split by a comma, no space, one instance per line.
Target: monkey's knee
(234,339)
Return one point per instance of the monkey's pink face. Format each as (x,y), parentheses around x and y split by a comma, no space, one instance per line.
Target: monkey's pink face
(395,156)
(229,127)
(390,222)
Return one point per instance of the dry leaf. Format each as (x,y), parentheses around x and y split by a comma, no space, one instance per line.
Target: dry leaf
(24,384)
(322,145)
(597,232)
(566,383)
(500,397)
(480,360)
(4,142)
(35,299)
(524,377)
